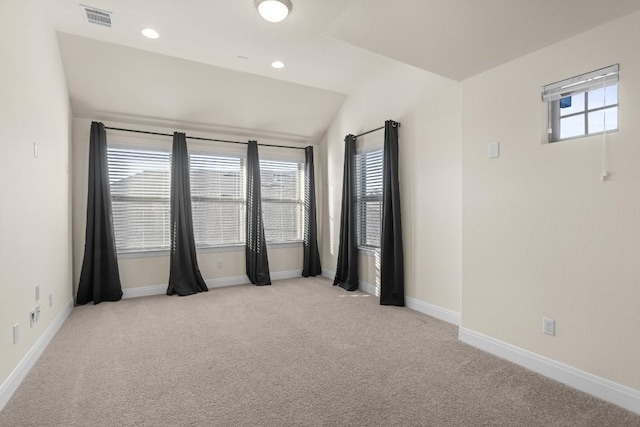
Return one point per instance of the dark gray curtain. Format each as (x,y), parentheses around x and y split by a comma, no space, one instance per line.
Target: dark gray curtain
(347,268)
(255,245)
(184,274)
(99,277)
(311,256)
(391,252)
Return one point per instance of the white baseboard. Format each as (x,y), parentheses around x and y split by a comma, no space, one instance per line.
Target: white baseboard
(602,388)
(433,310)
(368,288)
(10,385)
(329,274)
(290,274)
(145,291)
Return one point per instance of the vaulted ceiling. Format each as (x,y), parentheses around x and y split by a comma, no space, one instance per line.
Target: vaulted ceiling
(210,68)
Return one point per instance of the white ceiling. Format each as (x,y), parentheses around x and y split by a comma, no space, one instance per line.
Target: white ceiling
(193,75)
(116,83)
(462,38)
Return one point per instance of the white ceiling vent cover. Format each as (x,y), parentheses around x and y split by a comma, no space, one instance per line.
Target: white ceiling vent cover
(96,16)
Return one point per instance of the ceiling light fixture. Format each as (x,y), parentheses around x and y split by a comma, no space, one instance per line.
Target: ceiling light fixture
(150,32)
(273,10)
(277,64)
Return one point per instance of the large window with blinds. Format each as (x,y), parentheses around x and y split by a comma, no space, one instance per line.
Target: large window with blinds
(369,197)
(140,180)
(140,189)
(218,201)
(282,202)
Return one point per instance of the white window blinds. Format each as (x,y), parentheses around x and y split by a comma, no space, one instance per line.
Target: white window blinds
(369,197)
(582,83)
(583,105)
(140,189)
(217,194)
(140,180)
(282,203)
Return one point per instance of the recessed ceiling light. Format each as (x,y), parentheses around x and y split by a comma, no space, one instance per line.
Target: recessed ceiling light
(273,10)
(150,32)
(277,64)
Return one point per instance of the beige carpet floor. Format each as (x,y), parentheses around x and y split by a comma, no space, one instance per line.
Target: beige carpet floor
(298,353)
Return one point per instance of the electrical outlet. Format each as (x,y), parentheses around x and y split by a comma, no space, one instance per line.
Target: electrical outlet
(32,317)
(219,263)
(50,300)
(548,326)
(37,293)
(16,333)
(37,313)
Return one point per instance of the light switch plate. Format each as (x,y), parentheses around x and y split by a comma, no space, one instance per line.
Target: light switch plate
(494,150)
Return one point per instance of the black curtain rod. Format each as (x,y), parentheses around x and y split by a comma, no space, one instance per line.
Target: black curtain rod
(369,131)
(374,130)
(202,139)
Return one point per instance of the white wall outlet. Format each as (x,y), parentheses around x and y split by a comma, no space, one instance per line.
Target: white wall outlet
(16,333)
(548,326)
(50,300)
(37,313)
(219,263)
(35,150)
(37,293)
(32,317)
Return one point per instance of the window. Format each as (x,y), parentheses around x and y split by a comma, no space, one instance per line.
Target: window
(369,197)
(140,189)
(282,204)
(140,181)
(217,198)
(583,105)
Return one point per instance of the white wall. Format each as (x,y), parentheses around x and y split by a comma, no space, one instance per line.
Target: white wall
(428,107)
(35,236)
(154,270)
(542,235)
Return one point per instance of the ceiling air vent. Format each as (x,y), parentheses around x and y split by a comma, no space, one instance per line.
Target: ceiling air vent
(96,16)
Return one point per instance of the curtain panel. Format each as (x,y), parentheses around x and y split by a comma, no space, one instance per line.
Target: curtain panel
(257,261)
(347,268)
(391,251)
(184,274)
(311,255)
(99,276)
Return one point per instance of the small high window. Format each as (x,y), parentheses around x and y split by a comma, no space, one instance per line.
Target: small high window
(583,105)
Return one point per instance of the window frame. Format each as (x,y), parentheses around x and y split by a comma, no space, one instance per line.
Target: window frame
(555,116)
(582,84)
(115,198)
(298,200)
(362,200)
(242,201)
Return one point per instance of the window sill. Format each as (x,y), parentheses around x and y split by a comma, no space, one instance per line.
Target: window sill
(571,138)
